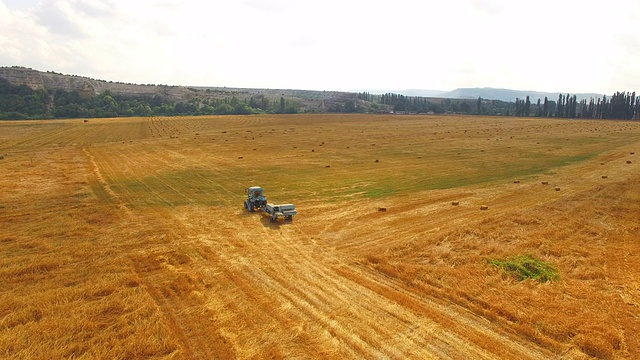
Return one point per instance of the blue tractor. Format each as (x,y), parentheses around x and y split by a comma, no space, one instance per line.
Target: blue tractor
(255,199)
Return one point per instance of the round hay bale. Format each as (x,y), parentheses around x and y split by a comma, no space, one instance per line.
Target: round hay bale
(328,166)
(516,181)
(601,163)
(557,189)
(604,176)
(313,150)
(484,207)
(545,183)
(631,153)
(240,157)
(628,161)
(377,160)
(382,209)
(455,203)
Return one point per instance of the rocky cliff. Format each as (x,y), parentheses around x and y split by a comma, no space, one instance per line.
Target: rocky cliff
(87,87)
(310,100)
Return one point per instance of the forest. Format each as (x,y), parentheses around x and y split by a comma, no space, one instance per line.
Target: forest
(20,102)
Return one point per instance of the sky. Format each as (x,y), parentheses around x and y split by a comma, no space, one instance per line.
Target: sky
(567,46)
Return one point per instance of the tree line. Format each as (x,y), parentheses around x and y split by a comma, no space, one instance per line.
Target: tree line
(21,102)
(620,106)
(18,102)
(420,104)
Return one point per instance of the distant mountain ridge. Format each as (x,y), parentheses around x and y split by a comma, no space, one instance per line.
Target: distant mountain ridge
(486,93)
(510,95)
(36,79)
(89,87)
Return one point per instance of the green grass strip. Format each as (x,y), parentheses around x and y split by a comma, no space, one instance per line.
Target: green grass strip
(526,267)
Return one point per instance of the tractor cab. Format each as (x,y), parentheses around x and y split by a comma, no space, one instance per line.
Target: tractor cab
(255,192)
(255,199)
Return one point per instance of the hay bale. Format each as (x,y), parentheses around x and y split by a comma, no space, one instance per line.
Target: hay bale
(557,189)
(377,160)
(545,183)
(455,203)
(601,163)
(516,181)
(484,207)
(382,209)
(604,176)
(328,166)
(631,153)
(628,161)
(239,157)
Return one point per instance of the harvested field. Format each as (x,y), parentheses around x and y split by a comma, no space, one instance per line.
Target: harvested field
(127,238)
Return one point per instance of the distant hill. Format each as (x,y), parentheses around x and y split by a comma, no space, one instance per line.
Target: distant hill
(32,94)
(508,94)
(486,93)
(309,100)
(408,92)
(88,87)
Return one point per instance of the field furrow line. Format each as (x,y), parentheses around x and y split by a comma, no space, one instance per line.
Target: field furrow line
(321,292)
(103,183)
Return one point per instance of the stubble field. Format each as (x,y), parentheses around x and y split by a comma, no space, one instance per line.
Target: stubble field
(126,238)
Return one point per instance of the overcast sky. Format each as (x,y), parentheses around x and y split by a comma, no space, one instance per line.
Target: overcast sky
(544,45)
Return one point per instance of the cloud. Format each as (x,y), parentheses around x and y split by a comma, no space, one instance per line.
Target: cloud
(491,7)
(269,5)
(58,18)
(96,9)
(331,45)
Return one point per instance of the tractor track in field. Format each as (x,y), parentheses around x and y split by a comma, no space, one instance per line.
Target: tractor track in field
(367,316)
(104,184)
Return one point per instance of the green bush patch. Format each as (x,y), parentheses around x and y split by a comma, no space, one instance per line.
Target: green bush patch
(526,267)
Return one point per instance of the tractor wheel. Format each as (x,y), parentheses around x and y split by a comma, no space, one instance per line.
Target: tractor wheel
(250,208)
